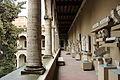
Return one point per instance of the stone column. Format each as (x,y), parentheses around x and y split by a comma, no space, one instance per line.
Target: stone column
(57,42)
(34,64)
(53,39)
(48,37)
(48,27)
(18,62)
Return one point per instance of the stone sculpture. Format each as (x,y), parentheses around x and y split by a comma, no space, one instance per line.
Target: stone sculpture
(107,60)
(117,62)
(115,14)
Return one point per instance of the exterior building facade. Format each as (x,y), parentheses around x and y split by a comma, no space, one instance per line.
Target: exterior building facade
(21,22)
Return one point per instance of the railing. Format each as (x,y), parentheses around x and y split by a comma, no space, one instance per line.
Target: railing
(51,68)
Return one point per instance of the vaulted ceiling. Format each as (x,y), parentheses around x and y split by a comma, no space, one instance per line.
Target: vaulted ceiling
(66,12)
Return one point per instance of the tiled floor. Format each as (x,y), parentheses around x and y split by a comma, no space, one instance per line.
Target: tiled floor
(72,71)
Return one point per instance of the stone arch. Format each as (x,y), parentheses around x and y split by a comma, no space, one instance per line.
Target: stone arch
(21,59)
(23,34)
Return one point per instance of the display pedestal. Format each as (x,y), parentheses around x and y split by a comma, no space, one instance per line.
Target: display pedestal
(103,71)
(114,74)
(86,65)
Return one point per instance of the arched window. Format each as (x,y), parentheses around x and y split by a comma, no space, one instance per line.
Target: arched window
(25,44)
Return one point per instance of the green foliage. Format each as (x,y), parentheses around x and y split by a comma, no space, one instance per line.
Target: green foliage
(9,35)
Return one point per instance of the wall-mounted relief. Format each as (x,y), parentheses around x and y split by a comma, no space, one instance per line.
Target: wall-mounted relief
(85,42)
(95,25)
(105,20)
(103,33)
(115,14)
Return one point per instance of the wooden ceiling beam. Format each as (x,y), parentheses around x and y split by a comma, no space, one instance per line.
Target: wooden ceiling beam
(71,3)
(65,17)
(67,20)
(66,14)
(63,28)
(64,24)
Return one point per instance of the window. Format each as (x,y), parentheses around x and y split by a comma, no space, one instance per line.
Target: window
(43,43)
(25,44)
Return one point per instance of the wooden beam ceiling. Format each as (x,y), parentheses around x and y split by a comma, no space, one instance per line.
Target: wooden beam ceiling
(66,12)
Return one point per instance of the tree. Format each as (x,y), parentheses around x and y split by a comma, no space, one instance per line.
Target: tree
(8,35)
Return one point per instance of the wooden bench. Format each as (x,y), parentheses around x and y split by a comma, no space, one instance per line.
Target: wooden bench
(61,61)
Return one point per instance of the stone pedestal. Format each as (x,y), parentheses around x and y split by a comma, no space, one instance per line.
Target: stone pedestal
(86,65)
(34,64)
(103,71)
(97,61)
(114,74)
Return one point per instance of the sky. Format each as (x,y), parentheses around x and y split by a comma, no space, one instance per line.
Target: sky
(24,12)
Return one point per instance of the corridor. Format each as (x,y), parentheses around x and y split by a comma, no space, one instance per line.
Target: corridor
(72,70)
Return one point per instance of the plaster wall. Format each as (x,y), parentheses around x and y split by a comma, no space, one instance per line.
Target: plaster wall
(92,12)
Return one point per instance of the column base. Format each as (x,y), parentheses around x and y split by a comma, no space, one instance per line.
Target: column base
(33,70)
(47,56)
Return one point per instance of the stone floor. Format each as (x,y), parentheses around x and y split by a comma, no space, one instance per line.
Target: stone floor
(16,75)
(72,70)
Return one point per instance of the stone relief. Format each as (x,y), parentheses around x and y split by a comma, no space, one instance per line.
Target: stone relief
(85,43)
(102,33)
(115,14)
